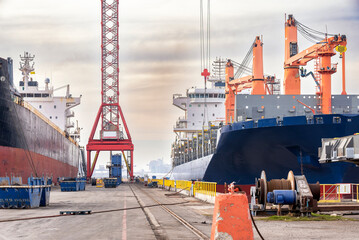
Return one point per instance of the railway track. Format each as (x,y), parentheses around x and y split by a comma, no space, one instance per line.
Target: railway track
(159,233)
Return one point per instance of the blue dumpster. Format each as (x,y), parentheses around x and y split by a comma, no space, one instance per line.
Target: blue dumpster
(72,184)
(45,196)
(15,195)
(68,184)
(81,183)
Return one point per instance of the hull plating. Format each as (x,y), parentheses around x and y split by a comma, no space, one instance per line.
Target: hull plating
(14,161)
(192,170)
(242,154)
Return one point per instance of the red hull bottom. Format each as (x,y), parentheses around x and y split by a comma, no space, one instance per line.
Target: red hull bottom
(15,161)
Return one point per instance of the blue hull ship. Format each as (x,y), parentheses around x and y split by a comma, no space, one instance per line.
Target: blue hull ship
(246,148)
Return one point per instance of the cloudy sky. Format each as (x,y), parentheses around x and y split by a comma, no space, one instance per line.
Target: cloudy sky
(159,51)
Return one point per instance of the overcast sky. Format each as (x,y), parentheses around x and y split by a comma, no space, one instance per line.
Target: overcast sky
(159,51)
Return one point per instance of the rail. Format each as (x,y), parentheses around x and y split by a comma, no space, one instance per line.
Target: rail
(329,193)
(183,185)
(194,188)
(169,183)
(206,188)
(334,193)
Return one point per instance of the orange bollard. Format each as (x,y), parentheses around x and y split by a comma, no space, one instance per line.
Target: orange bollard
(231,219)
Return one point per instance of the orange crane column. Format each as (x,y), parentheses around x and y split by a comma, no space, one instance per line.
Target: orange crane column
(257,70)
(291,73)
(326,71)
(230,96)
(343,74)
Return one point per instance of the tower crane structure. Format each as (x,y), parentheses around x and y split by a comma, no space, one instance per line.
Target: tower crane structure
(114,133)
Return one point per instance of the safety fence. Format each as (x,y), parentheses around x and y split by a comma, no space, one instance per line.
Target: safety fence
(206,188)
(169,183)
(334,193)
(203,190)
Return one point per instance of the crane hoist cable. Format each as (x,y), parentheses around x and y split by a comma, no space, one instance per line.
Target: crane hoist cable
(205,48)
(205,35)
(245,62)
(310,34)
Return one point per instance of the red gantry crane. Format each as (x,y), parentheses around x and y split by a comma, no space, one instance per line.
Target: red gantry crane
(112,135)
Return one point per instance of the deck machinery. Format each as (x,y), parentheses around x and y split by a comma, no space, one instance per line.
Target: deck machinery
(112,135)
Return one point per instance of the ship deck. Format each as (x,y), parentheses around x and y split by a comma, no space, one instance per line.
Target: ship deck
(121,213)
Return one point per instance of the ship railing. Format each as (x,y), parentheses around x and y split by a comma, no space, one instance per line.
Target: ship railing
(45,119)
(343,192)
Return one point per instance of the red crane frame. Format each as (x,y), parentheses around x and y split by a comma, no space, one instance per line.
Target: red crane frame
(112,138)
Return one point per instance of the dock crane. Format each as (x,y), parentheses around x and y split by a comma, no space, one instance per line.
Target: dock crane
(322,50)
(112,136)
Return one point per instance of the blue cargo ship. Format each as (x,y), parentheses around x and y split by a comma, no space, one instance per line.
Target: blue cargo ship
(246,148)
(265,130)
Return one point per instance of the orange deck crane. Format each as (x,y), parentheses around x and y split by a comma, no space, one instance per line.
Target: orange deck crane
(323,50)
(256,81)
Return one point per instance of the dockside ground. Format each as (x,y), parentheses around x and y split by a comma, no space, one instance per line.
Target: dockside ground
(119,213)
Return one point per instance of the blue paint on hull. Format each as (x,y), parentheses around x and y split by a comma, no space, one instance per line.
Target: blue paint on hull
(244,150)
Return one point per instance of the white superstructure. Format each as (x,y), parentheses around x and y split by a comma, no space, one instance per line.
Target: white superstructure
(58,109)
(204,113)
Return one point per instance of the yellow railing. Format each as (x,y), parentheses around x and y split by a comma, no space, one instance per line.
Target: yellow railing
(330,193)
(159,181)
(169,183)
(339,192)
(206,188)
(181,184)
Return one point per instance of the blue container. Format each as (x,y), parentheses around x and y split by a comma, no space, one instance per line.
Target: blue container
(116,168)
(21,196)
(282,197)
(110,182)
